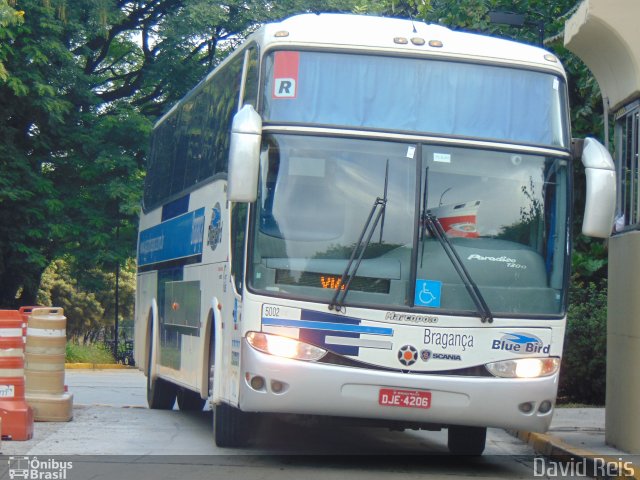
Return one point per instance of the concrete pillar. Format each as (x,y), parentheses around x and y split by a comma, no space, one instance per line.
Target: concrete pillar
(622,417)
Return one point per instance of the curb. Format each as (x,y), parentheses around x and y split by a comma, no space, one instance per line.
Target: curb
(96,366)
(561,451)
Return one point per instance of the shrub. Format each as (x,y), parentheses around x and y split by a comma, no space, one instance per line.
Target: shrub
(91,353)
(583,373)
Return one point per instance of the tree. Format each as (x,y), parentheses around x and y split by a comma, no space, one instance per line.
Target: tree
(86,85)
(26,196)
(8,16)
(87,297)
(583,372)
(60,288)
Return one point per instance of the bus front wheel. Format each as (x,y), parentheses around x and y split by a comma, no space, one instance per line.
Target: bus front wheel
(230,426)
(466,440)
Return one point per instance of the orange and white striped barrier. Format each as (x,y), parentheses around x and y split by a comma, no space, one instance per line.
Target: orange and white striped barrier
(44,365)
(17,416)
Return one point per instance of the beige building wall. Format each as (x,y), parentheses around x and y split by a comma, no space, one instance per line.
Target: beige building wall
(622,417)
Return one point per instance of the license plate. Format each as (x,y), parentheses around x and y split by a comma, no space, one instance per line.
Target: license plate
(391,397)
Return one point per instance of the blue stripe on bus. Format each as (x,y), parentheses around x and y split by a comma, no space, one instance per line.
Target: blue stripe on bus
(334,327)
(179,237)
(316,316)
(319,338)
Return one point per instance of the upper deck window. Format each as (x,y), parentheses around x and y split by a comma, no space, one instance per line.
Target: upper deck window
(416,95)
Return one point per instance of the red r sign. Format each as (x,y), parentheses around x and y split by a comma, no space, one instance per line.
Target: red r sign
(285,74)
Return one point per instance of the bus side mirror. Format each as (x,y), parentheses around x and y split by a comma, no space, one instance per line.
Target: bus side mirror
(244,156)
(600,204)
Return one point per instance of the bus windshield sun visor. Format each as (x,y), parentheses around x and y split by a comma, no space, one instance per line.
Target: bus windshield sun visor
(435,228)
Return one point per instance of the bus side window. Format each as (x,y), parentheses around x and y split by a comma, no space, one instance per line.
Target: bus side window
(238,233)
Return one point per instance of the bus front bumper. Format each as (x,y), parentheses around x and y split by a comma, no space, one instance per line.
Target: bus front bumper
(297,387)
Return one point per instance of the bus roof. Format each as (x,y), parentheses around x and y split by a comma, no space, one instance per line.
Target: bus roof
(399,35)
(385,34)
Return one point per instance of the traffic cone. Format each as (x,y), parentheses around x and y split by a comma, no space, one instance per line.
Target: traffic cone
(44,373)
(16,414)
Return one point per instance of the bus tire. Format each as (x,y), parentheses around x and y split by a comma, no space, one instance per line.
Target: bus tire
(161,395)
(230,426)
(466,440)
(189,401)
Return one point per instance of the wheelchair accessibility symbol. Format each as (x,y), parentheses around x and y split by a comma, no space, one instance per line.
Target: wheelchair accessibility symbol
(428,293)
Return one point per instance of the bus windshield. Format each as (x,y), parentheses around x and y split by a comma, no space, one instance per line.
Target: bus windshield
(505,214)
(437,97)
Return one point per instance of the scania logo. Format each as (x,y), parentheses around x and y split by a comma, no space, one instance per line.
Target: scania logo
(520,343)
(427,355)
(408,355)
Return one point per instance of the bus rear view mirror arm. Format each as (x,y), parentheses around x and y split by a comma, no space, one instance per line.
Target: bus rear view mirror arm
(244,155)
(600,202)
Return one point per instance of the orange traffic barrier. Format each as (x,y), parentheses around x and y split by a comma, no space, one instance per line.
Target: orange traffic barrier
(16,415)
(46,332)
(24,313)
(44,365)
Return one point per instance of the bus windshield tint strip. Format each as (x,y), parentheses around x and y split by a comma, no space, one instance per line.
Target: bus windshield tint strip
(331,282)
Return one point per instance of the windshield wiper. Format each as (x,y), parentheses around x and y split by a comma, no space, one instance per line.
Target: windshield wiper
(435,227)
(379,206)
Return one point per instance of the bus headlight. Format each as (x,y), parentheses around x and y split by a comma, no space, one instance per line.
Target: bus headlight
(525,367)
(285,347)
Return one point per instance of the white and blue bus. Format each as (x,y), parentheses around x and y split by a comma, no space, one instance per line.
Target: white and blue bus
(365,218)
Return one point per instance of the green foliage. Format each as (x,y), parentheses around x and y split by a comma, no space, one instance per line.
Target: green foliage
(34,110)
(60,288)
(87,297)
(393,8)
(91,353)
(80,89)
(590,260)
(8,16)
(583,371)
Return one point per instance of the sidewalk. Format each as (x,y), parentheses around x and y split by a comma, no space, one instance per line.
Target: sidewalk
(578,435)
(95,366)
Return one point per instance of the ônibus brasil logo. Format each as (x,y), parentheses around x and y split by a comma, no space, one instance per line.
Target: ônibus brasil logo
(35,469)
(520,344)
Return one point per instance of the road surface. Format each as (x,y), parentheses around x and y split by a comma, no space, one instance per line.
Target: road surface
(114,435)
